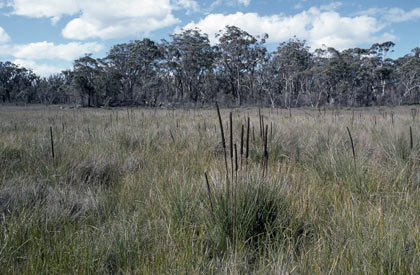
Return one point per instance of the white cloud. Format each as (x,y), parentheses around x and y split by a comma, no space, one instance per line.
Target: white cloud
(299,5)
(39,69)
(105,18)
(229,3)
(244,2)
(317,25)
(331,6)
(394,15)
(29,55)
(53,9)
(110,19)
(48,50)
(188,4)
(4,37)
(215,3)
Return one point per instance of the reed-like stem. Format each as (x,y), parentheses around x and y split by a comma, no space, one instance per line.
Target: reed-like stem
(172,136)
(223,145)
(210,195)
(242,145)
(411,139)
(261,125)
(247,145)
(265,150)
(231,144)
(352,146)
(236,158)
(52,143)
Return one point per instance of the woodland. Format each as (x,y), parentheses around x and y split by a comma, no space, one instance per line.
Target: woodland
(239,70)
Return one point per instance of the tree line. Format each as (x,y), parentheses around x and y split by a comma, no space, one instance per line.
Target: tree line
(237,71)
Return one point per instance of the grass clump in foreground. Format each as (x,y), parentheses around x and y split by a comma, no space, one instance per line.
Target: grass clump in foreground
(286,193)
(257,216)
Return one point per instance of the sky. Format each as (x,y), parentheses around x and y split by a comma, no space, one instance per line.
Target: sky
(48,35)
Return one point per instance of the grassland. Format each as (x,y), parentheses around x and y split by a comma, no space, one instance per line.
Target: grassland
(126,192)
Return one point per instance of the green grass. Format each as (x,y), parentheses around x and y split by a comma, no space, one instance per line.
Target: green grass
(126,193)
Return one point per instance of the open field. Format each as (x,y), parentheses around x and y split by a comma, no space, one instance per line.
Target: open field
(125,191)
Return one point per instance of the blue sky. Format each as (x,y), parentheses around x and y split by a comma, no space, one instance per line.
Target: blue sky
(47,35)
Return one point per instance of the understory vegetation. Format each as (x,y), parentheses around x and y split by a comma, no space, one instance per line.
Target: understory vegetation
(154,191)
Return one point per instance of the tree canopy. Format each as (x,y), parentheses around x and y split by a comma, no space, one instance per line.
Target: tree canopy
(238,70)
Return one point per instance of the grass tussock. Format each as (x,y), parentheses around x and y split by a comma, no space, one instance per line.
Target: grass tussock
(258,215)
(312,193)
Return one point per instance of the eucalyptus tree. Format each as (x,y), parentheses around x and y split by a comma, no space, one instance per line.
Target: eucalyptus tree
(85,76)
(358,77)
(191,59)
(339,76)
(25,88)
(69,87)
(409,77)
(148,56)
(265,83)
(17,84)
(291,59)
(49,89)
(238,69)
(7,74)
(240,55)
(380,69)
(134,64)
(353,76)
(54,89)
(108,82)
(120,64)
